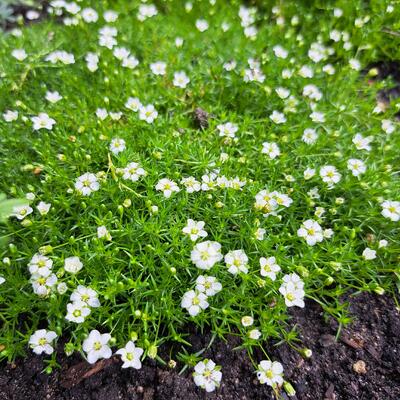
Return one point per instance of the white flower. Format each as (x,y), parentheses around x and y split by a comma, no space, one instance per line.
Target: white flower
(110,16)
(10,116)
(89,15)
(362,143)
(148,113)
(115,116)
(369,254)
(247,321)
(207,375)
(73,264)
(208,285)
(271,149)
(42,285)
(208,182)
(236,261)
(92,61)
(60,56)
(269,267)
(277,117)
(43,121)
(206,254)
(259,233)
(178,42)
(293,294)
(191,184)
(312,92)
(227,130)
(62,288)
(195,229)
(280,52)
(77,311)
(355,64)
(133,171)
(2,280)
(357,167)
(391,210)
(308,173)
(383,243)
(20,212)
(117,145)
(229,65)
(102,232)
(40,265)
(194,302)
(387,126)
(96,346)
(250,32)
(329,175)
(43,207)
(201,25)
(254,334)
(40,341)
(317,117)
(133,103)
(270,373)
(130,355)
(329,69)
(167,187)
(19,54)
(158,68)
(85,295)
(86,184)
(311,231)
(101,114)
(120,53)
(130,62)
(181,79)
(283,93)
(146,11)
(309,136)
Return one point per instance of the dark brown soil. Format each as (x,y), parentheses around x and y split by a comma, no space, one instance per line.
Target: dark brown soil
(373,337)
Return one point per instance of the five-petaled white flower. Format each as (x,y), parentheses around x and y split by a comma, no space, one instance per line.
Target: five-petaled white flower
(96,346)
(77,311)
(43,121)
(40,341)
(208,285)
(167,187)
(270,373)
(40,265)
(117,145)
(86,184)
(329,175)
(269,267)
(20,212)
(207,375)
(206,254)
(194,302)
(357,167)
(130,355)
(311,231)
(271,149)
(133,171)
(292,290)
(158,68)
(236,261)
(369,254)
(148,113)
(181,79)
(391,210)
(195,229)
(227,130)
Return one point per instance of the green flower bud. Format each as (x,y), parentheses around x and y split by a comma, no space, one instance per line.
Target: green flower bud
(289,389)
(152,351)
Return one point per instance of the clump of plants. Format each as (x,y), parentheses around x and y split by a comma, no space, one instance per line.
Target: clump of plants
(139,220)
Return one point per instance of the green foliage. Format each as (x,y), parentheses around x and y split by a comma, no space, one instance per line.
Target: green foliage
(143,272)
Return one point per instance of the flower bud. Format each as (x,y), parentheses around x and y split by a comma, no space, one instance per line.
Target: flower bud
(289,389)
(152,351)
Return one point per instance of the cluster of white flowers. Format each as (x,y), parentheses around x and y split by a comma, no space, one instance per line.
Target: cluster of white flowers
(269,202)
(43,279)
(82,300)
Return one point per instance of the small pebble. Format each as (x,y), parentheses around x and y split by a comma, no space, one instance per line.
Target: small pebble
(360,367)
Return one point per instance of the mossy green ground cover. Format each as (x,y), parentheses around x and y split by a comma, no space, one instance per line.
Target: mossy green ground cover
(307,142)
